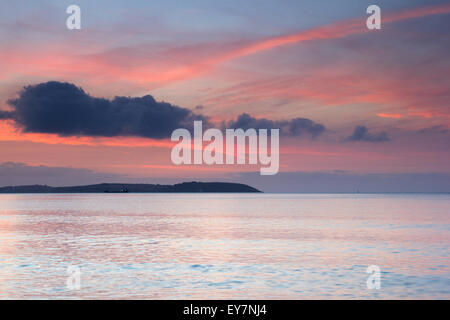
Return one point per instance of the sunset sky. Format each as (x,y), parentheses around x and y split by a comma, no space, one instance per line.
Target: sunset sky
(370,108)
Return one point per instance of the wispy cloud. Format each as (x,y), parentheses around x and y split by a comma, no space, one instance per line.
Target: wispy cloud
(361,133)
(390,115)
(144,71)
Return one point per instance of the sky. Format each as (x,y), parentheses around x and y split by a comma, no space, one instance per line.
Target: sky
(369,108)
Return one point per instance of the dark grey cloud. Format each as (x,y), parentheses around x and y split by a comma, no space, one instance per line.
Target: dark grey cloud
(293,127)
(361,133)
(6,115)
(440,129)
(67,110)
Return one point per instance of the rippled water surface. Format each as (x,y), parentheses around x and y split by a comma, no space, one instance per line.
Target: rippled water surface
(222,246)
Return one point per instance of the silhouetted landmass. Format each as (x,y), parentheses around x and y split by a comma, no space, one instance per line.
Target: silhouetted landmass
(142,188)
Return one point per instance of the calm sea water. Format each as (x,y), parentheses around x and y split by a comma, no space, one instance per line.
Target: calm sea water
(224,246)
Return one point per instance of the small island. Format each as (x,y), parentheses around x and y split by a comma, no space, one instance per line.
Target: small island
(186,187)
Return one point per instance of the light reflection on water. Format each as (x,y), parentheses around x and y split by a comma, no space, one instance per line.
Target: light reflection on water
(222,246)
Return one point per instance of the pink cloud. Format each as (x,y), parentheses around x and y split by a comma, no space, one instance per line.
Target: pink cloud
(117,66)
(390,115)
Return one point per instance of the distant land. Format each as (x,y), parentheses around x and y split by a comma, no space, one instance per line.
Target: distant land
(134,188)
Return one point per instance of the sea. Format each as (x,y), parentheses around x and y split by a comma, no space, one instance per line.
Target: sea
(224,246)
